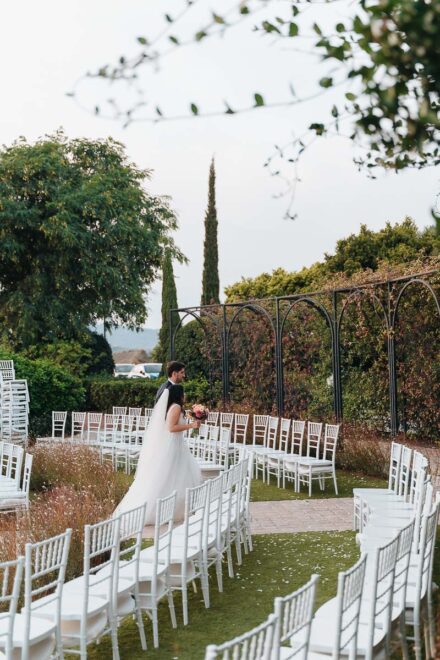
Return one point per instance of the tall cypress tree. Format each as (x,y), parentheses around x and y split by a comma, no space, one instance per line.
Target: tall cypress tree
(210,281)
(169,301)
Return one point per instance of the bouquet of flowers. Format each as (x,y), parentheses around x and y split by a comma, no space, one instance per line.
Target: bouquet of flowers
(198,412)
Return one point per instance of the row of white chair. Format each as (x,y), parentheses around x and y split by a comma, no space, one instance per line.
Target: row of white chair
(119,577)
(377,599)
(14,477)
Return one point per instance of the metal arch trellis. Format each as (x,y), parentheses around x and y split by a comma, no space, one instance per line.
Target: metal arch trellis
(386,293)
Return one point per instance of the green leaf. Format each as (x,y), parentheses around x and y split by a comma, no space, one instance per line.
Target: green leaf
(317,29)
(229,110)
(168,18)
(335,111)
(259,100)
(158,111)
(218,19)
(270,27)
(194,109)
(340,27)
(318,128)
(142,40)
(326,82)
(200,35)
(293,30)
(244,10)
(173,39)
(350,96)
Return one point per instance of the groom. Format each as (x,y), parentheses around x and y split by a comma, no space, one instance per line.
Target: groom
(175,373)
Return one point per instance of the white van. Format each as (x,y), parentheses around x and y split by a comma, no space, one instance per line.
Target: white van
(146,370)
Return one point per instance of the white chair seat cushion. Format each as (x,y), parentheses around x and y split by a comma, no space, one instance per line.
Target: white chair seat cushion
(40,629)
(72,602)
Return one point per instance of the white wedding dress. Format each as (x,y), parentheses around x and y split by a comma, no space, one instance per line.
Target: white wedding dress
(165,464)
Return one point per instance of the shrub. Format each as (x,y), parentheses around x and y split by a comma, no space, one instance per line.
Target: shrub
(103,394)
(74,490)
(50,388)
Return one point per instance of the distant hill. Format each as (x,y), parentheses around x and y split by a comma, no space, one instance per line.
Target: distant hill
(125,339)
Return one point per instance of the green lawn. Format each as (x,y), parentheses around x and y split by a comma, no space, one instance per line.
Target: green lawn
(279,564)
(261,492)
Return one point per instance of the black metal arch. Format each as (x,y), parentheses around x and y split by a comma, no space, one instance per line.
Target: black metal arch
(333,314)
(312,303)
(352,297)
(416,280)
(258,309)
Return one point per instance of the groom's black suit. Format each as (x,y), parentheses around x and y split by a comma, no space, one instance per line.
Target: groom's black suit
(165,386)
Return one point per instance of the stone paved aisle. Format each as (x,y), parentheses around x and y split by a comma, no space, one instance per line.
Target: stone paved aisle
(334,514)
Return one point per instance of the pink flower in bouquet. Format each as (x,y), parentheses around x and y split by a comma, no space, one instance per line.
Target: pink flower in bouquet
(199,412)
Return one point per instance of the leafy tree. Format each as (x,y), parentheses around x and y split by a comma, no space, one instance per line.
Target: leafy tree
(210,280)
(93,355)
(169,302)
(81,238)
(395,245)
(384,55)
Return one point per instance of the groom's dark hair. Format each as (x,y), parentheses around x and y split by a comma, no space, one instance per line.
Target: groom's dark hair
(174,366)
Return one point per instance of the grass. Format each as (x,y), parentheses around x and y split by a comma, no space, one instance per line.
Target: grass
(279,564)
(261,492)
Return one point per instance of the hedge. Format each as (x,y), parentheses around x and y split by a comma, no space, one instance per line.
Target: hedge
(50,388)
(102,394)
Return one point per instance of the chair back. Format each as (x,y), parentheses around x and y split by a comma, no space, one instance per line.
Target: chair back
(7,369)
(330,442)
(284,434)
(212,419)
(131,526)
(45,564)
(425,555)
(295,613)
(227,420)
(27,471)
(11,573)
(402,566)
(163,533)
(58,424)
(259,433)
(203,431)
(148,412)
(404,472)
(348,604)
(101,550)
(381,587)
(257,644)
(272,433)
(196,500)
(78,423)
(314,432)
(94,421)
(394,469)
(240,428)
(298,430)
(213,433)
(119,410)
(134,412)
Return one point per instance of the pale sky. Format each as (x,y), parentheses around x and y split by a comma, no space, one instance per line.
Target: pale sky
(46,46)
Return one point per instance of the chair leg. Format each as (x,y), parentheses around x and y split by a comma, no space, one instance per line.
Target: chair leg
(114,635)
(140,624)
(403,640)
(185,603)
(205,584)
(155,627)
(431,626)
(335,482)
(219,572)
(310,482)
(417,641)
(229,556)
(171,608)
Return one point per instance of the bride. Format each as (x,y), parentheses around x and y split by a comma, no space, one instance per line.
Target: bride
(165,462)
